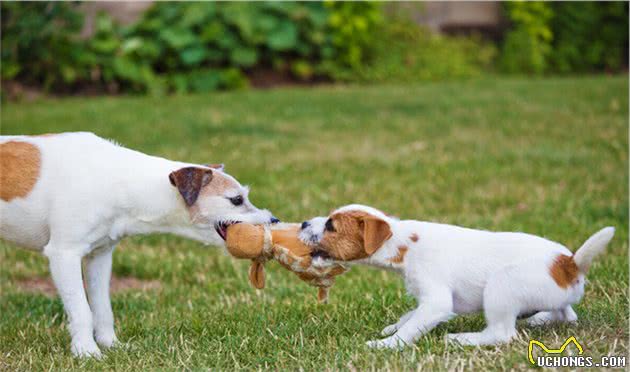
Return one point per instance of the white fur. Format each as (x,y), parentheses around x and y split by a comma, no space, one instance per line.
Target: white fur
(90,194)
(453,270)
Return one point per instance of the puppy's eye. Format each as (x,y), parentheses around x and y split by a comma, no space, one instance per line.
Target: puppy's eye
(236,200)
(329,225)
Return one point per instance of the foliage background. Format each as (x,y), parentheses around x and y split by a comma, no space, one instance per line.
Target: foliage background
(200,47)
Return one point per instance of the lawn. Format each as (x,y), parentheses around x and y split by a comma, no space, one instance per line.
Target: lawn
(545,156)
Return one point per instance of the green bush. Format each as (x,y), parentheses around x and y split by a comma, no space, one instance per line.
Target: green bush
(589,36)
(39,45)
(406,52)
(528,44)
(185,47)
(565,37)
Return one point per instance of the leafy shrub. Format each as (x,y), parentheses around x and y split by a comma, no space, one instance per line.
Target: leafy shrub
(38,44)
(589,36)
(565,37)
(353,29)
(528,44)
(181,47)
(407,52)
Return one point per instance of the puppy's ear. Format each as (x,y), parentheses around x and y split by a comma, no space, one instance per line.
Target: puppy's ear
(189,181)
(257,274)
(375,233)
(219,167)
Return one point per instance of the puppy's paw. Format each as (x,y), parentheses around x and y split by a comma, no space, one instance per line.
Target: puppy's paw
(392,342)
(389,330)
(86,349)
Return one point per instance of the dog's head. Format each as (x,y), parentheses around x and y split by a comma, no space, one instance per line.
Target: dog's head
(216,199)
(349,233)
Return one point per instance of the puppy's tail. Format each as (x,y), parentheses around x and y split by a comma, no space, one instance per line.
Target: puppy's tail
(592,247)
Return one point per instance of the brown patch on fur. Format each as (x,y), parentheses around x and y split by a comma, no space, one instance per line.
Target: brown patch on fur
(189,181)
(414,237)
(357,235)
(46,286)
(20,164)
(400,257)
(564,271)
(45,135)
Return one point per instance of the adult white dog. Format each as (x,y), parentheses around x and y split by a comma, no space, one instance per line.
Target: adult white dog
(453,270)
(75,195)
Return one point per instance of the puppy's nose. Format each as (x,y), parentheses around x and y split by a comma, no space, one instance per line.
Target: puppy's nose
(274,220)
(305,224)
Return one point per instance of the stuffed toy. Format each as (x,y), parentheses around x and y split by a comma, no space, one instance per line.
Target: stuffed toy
(261,243)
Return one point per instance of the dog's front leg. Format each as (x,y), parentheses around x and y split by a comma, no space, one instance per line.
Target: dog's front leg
(433,310)
(98,275)
(65,268)
(396,326)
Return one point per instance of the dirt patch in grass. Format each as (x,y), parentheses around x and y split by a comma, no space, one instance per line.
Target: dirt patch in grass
(46,286)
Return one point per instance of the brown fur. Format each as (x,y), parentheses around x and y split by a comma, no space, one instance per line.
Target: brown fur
(400,257)
(20,164)
(414,237)
(357,235)
(564,271)
(189,181)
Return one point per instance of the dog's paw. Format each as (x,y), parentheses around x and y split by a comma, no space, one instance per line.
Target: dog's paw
(392,342)
(107,339)
(389,330)
(86,349)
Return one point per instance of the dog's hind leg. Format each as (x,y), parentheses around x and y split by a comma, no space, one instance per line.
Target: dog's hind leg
(98,267)
(501,306)
(65,268)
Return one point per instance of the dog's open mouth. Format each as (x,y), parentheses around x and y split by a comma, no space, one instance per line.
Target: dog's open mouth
(222,226)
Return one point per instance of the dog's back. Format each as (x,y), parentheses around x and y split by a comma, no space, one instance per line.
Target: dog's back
(34,170)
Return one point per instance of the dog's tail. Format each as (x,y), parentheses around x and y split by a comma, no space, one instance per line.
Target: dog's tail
(592,247)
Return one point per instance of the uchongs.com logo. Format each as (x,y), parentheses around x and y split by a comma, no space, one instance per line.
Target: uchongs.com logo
(553,358)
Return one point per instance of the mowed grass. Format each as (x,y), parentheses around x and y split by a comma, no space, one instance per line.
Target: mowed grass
(545,156)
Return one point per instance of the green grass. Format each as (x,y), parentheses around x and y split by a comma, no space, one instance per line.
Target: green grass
(546,156)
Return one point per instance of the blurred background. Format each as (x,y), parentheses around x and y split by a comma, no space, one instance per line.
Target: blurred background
(161,48)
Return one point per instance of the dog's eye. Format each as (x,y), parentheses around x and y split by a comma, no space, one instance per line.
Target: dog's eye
(329,225)
(236,200)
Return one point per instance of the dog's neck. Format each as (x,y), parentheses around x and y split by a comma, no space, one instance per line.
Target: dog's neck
(155,206)
(388,255)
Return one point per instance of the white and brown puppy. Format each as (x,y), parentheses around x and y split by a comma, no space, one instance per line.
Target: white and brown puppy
(452,270)
(75,195)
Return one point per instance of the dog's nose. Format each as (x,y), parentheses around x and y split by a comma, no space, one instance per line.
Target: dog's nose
(305,224)
(274,220)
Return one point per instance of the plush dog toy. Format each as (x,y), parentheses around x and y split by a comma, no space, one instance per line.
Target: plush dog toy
(261,243)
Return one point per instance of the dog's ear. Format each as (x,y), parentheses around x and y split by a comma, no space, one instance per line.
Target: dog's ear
(257,274)
(219,167)
(189,181)
(375,233)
